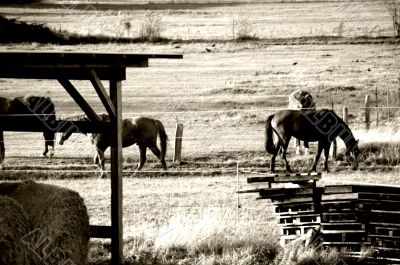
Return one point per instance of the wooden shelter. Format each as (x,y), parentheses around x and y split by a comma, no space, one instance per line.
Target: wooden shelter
(66,66)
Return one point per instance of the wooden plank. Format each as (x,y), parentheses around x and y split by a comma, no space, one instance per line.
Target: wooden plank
(117,73)
(335,189)
(340,217)
(275,178)
(297,229)
(342,226)
(294,208)
(78,59)
(30,124)
(344,196)
(373,188)
(386,237)
(279,201)
(117,256)
(99,231)
(102,93)
(90,113)
(379,196)
(299,219)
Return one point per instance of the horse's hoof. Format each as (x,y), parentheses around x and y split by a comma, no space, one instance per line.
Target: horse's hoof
(51,155)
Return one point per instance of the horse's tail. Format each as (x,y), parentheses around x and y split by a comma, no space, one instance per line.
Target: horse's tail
(163,138)
(269,141)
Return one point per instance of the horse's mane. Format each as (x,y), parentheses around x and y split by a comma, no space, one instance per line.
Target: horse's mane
(83,117)
(80,117)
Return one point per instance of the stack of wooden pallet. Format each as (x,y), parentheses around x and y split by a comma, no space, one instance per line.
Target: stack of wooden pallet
(353,217)
(374,211)
(296,209)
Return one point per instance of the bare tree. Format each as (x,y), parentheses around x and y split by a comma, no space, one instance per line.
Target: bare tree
(393,7)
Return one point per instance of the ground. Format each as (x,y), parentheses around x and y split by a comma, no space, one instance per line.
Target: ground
(222,92)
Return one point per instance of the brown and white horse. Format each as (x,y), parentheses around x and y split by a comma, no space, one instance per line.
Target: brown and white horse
(41,110)
(142,131)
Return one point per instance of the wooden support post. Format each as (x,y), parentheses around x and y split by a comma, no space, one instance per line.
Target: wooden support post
(74,93)
(117,256)
(367,112)
(178,143)
(334,151)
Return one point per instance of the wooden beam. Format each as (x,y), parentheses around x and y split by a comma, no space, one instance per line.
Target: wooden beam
(31,124)
(78,59)
(77,73)
(102,93)
(69,87)
(116,175)
(99,231)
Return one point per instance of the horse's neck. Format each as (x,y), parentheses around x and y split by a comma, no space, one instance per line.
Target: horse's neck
(347,136)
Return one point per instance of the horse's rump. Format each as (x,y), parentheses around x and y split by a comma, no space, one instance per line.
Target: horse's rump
(270,146)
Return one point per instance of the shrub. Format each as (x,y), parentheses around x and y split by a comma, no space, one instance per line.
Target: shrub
(151,28)
(393,7)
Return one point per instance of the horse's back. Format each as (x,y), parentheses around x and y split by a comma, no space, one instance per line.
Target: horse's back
(144,129)
(304,125)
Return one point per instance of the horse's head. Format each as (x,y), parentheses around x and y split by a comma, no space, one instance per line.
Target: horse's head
(354,152)
(64,137)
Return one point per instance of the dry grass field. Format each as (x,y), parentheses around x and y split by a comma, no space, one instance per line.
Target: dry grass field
(222,91)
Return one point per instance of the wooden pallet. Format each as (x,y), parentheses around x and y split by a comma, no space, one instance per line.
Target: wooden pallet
(294,208)
(342,226)
(385,218)
(385,231)
(299,219)
(344,236)
(335,217)
(297,229)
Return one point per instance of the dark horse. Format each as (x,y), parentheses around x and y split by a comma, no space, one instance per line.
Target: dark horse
(44,110)
(321,126)
(141,131)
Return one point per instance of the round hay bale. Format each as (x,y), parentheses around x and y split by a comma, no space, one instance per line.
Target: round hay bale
(14,226)
(59,221)
(301,100)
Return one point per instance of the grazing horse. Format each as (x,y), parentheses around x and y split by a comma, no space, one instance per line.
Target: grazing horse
(301,100)
(141,131)
(321,126)
(44,110)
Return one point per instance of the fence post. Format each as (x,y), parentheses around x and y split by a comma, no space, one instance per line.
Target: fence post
(178,143)
(367,112)
(334,151)
(376,106)
(388,102)
(345,115)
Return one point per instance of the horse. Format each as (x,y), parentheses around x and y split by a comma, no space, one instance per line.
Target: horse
(301,100)
(44,110)
(142,131)
(321,126)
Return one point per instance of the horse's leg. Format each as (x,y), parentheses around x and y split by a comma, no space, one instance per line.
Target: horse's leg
(157,153)
(297,146)
(48,141)
(2,150)
(317,156)
(142,159)
(284,147)
(273,158)
(100,161)
(326,154)
(306,148)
